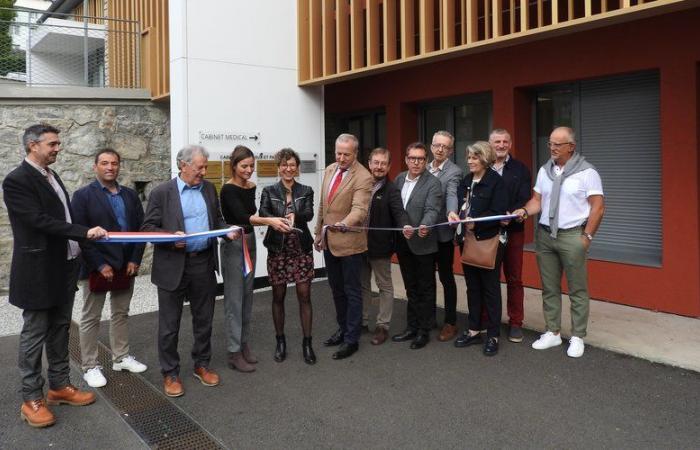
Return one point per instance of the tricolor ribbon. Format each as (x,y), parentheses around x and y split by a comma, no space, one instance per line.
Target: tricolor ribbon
(357,229)
(247,261)
(158,237)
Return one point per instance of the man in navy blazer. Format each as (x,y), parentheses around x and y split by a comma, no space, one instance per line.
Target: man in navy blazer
(44,273)
(106,203)
(185,270)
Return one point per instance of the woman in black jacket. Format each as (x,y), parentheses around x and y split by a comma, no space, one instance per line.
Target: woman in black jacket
(482,193)
(290,258)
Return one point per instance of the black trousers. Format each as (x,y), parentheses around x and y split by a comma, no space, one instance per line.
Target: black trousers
(198,286)
(345,282)
(484,291)
(445,258)
(418,273)
(47,328)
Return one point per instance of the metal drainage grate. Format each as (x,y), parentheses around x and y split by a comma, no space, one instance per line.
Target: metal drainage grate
(160,423)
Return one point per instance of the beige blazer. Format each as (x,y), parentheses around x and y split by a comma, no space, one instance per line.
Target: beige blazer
(349,206)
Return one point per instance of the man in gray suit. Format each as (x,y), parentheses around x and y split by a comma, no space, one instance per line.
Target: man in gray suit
(185,270)
(421,194)
(449,175)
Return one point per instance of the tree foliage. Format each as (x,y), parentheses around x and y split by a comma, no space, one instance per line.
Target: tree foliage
(10,60)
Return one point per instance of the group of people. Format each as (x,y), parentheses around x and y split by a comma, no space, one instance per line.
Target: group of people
(363,219)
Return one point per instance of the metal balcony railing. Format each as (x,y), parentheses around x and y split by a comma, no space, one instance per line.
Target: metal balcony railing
(53,49)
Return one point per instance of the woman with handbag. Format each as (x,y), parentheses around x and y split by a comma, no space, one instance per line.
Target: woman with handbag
(238,208)
(290,258)
(481,193)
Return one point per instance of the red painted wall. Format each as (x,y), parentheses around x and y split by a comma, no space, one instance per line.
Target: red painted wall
(666,43)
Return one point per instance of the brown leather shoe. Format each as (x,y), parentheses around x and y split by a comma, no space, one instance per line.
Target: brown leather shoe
(172,386)
(447,333)
(207,376)
(248,355)
(69,395)
(36,414)
(236,361)
(380,335)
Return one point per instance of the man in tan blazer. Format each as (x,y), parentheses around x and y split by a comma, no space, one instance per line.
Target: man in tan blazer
(345,195)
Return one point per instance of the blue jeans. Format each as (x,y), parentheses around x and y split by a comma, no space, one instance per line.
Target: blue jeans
(345,281)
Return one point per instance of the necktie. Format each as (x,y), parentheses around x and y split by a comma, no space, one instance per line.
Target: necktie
(336,183)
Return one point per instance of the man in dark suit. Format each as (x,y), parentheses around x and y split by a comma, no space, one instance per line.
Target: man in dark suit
(385,211)
(185,270)
(344,198)
(44,273)
(421,193)
(449,176)
(106,203)
(518,180)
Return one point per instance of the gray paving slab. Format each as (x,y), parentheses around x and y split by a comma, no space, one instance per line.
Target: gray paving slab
(393,397)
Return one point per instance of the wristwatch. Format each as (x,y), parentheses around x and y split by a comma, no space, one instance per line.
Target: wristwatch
(588,236)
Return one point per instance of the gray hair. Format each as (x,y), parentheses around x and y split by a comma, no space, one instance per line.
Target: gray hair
(570,131)
(483,151)
(35,133)
(190,151)
(446,134)
(347,137)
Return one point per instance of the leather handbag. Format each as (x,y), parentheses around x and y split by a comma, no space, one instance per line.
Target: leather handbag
(98,283)
(481,253)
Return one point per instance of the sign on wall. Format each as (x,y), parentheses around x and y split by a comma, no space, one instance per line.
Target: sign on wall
(217,138)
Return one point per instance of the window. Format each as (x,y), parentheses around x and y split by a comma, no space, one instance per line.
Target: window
(618,131)
(467,118)
(368,127)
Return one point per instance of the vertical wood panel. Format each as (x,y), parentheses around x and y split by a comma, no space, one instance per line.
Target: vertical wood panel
(524,15)
(570,10)
(328,28)
(487,19)
(511,16)
(408,28)
(315,39)
(357,34)
(372,32)
(463,13)
(555,11)
(303,46)
(472,21)
(342,35)
(447,24)
(540,13)
(588,8)
(497,18)
(389,30)
(426,14)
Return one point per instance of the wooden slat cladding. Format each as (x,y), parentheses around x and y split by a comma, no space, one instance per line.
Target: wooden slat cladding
(142,27)
(338,39)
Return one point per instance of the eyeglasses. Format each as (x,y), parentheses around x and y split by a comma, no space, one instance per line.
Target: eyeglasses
(415,159)
(441,146)
(558,145)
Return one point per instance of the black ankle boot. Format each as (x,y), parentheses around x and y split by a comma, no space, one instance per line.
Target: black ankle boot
(281,349)
(309,355)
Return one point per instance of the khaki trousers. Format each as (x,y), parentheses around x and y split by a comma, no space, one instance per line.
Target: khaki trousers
(564,254)
(90,323)
(382,276)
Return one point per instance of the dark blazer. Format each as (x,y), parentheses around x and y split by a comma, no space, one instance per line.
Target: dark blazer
(92,208)
(273,202)
(164,213)
(518,181)
(423,208)
(386,212)
(41,233)
(489,198)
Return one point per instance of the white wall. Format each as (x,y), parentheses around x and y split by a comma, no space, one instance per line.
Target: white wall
(233,69)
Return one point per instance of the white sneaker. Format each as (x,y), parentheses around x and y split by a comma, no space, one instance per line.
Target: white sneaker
(129,363)
(94,378)
(575,347)
(547,340)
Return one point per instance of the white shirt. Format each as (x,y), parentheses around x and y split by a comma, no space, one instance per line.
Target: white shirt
(337,174)
(73,247)
(574,208)
(407,189)
(436,170)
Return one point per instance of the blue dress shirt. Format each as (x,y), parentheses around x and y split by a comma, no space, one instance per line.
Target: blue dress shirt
(194,210)
(118,207)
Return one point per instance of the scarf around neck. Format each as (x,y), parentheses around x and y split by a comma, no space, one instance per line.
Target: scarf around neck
(576,164)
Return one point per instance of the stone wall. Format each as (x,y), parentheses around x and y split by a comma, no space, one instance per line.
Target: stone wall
(140,132)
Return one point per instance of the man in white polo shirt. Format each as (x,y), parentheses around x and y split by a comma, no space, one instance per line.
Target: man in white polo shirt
(569,193)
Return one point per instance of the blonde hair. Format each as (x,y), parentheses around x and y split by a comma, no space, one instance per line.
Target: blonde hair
(483,151)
